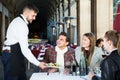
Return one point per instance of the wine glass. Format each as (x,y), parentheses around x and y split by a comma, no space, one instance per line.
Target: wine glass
(61,70)
(98,71)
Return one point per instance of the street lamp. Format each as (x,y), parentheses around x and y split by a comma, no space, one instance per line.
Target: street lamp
(67,20)
(61,26)
(68,29)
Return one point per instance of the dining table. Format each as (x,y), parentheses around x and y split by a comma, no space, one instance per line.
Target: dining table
(56,76)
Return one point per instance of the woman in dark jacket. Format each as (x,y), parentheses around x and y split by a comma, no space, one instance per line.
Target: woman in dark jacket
(110,67)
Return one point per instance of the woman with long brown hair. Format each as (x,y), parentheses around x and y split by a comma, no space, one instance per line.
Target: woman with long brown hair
(87,52)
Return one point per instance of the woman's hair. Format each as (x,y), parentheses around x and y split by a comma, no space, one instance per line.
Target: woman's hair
(113,36)
(98,41)
(91,37)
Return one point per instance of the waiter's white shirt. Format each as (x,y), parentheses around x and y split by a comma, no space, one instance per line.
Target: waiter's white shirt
(18,33)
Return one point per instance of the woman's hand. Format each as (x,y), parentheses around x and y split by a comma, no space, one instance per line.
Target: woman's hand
(90,75)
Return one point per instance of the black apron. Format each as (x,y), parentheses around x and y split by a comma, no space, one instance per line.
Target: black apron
(17,62)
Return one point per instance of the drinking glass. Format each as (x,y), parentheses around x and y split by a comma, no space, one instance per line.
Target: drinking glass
(98,71)
(90,69)
(77,71)
(61,71)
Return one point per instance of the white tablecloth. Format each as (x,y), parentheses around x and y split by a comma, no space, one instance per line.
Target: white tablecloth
(54,76)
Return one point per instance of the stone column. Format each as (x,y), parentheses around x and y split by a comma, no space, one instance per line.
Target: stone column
(85,17)
(104,16)
(78,22)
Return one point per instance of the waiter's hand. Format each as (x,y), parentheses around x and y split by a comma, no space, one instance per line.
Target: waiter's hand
(42,65)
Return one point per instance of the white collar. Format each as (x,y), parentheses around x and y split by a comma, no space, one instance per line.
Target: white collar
(58,50)
(113,50)
(26,21)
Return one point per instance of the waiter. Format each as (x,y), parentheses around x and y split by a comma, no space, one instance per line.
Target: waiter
(16,46)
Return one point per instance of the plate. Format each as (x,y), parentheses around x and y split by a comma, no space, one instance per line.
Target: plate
(52,65)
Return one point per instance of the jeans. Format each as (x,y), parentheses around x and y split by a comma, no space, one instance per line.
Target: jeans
(6,64)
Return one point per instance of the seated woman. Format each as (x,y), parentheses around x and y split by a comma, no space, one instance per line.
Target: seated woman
(110,66)
(88,53)
(99,42)
(60,54)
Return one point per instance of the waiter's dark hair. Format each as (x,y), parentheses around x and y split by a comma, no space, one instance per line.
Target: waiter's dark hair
(66,35)
(31,6)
